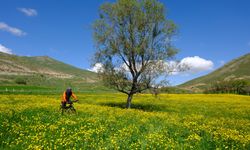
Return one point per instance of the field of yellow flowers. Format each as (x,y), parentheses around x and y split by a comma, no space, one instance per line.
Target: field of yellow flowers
(169,121)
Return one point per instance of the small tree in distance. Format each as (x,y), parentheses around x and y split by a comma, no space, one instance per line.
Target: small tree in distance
(133,41)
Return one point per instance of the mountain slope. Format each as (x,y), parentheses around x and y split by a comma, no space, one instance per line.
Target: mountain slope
(42,71)
(236,69)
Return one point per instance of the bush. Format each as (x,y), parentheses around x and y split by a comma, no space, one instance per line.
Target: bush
(233,86)
(21,81)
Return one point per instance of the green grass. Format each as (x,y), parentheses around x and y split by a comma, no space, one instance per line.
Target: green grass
(184,121)
(29,89)
(44,71)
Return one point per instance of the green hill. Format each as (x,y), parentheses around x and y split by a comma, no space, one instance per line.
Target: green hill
(43,71)
(236,69)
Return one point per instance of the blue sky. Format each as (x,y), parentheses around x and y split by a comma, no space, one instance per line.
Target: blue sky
(216,31)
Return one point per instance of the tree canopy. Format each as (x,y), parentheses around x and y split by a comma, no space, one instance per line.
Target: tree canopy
(133,41)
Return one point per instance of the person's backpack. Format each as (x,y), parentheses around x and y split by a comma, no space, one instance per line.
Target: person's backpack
(68,94)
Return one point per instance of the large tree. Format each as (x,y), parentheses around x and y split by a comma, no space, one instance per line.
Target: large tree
(133,41)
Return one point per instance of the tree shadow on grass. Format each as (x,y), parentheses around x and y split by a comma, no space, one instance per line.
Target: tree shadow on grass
(143,107)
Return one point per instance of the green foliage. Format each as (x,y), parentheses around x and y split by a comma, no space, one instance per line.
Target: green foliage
(21,81)
(133,40)
(175,90)
(233,86)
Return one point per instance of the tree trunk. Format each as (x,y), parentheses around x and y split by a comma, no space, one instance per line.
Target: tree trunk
(129,99)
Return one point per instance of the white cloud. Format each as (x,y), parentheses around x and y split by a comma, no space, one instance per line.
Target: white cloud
(28,11)
(5,49)
(124,67)
(190,65)
(12,30)
(197,64)
(172,67)
(97,67)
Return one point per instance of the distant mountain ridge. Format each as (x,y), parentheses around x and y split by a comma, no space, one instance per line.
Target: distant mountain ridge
(42,71)
(236,69)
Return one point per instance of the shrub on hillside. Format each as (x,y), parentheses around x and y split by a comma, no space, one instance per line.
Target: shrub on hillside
(233,86)
(21,81)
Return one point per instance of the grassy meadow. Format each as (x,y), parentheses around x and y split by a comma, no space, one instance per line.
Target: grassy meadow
(169,121)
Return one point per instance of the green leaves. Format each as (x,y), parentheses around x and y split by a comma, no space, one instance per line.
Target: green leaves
(135,34)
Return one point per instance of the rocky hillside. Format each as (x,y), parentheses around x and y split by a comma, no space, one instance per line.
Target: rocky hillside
(235,69)
(42,71)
